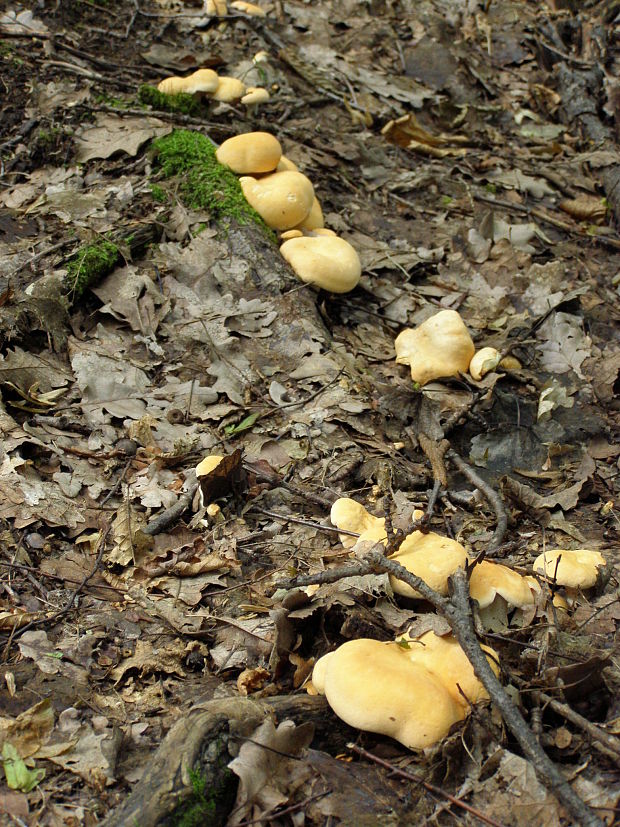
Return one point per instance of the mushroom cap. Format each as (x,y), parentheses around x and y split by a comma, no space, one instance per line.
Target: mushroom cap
(290,234)
(374,686)
(282,199)
(490,579)
(576,569)
(440,346)
(510,363)
(314,219)
(229,89)
(350,515)
(327,261)
(254,95)
(443,656)
(216,8)
(203,80)
(172,86)
(286,165)
(430,556)
(484,361)
(208,464)
(248,8)
(252,152)
(320,231)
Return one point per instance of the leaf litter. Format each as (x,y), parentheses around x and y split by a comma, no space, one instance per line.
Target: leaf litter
(200,346)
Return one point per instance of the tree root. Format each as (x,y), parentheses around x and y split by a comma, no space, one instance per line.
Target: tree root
(200,745)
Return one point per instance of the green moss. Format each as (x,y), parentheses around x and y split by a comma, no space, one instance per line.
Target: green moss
(206,808)
(158,193)
(204,183)
(185,104)
(89,266)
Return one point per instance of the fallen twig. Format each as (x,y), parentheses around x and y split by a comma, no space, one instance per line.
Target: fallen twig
(457,611)
(494,499)
(410,776)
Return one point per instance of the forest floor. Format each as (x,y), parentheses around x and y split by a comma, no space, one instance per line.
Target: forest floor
(468,151)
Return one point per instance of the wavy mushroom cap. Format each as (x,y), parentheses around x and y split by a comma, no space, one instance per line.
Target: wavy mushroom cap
(325,260)
(203,80)
(350,515)
(491,579)
(484,361)
(573,568)
(248,8)
(439,347)
(250,153)
(430,556)
(374,686)
(229,90)
(282,199)
(254,95)
(208,464)
(314,219)
(443,656)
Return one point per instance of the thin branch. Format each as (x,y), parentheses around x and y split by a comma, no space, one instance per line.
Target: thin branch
(493,498)
(410,776)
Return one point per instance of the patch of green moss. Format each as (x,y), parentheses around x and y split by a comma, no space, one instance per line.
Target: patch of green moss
(158,193)
(89,266)
(206,808)
(185,104)
(204,183)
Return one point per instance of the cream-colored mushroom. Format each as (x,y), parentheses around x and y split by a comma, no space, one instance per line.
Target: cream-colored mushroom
(248,8)
(349,515)
(439,347)
(483,362)
(327,261)
(290,234)
(430,556)
(375,686)
(286,165)
(203,80)
(208,464)
(491,579)
(314,219)
(255,95)
(574,568)
(229,90)
(282,199)
(250,153)
(442,655)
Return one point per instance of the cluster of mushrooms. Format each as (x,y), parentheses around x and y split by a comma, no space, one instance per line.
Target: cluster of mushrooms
(284,198)
(207,83)
(441,346)
(414,689)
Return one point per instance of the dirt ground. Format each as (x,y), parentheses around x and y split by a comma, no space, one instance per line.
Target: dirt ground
(468,151)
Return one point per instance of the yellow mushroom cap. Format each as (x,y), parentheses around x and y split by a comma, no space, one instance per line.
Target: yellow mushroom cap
(491,579)
(374,686)
(216,8)
(483,361)
(320,231)
(254,95)
(350,515)
(314,219)
(203,80)
(286,165)
(290,234)
(229,89)
(430,556)
(510,363)
(443,656)
(208,464)
(440,346)
(248,8)
(282,199)
(172,86)
(327,261)
(252,152)
(576,569)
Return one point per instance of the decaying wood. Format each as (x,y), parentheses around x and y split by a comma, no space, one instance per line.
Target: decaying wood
(205,740)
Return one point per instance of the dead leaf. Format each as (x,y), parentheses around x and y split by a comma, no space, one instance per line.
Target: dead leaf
(110,134)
